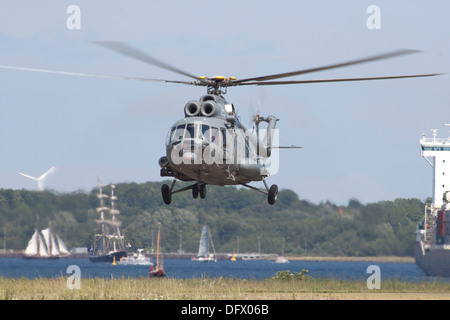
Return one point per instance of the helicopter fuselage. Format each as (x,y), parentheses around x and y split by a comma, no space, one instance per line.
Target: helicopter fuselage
(210,146)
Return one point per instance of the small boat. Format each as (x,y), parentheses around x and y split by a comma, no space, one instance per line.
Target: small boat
(203,248)
(281,259)
(251,256)
(136,259)
(158,270)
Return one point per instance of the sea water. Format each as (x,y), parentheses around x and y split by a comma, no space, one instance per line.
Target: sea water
(185,269)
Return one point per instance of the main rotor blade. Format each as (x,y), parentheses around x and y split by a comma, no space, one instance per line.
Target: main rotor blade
(79,74)
(333,66)
(139,55)
(269,83)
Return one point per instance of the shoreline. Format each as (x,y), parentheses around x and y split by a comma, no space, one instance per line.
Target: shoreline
(384,259)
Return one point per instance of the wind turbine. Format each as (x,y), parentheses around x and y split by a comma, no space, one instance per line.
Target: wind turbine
(40,180)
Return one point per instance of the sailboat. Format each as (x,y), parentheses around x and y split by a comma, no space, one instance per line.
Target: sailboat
(158,270)
(108,242)
(203,249)
(45,245)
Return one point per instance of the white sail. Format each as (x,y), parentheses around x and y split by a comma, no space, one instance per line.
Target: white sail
(42,247)
(203,247)
(52,246)
(32,247)
(62,247)
(36,246)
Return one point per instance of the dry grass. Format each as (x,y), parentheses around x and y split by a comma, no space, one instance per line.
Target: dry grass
(215,289)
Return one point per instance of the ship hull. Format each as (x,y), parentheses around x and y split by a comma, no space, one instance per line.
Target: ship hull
(434,262)
(157,273)
(40,257)
(108,257)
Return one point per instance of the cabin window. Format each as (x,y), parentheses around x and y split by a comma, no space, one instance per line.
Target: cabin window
(224,137)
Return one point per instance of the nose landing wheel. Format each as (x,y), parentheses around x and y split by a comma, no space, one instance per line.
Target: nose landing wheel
(199,189)
(202,191)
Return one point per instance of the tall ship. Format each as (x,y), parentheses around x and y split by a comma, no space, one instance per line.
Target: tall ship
(45,244)
(108,241)
(432,248)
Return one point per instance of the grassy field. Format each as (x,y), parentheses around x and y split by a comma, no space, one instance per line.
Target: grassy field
(217,289)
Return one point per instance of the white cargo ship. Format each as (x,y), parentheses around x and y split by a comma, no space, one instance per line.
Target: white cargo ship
(432,249)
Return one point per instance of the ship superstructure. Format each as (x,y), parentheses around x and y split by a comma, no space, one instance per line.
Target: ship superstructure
(432,252)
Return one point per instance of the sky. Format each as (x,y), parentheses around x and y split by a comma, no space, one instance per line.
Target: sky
(360,139)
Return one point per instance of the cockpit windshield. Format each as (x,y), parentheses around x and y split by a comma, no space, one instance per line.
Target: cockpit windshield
(178,133)
(197,130)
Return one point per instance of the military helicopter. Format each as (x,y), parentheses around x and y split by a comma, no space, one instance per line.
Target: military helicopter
(210,145)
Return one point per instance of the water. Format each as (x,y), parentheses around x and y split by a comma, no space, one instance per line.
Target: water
(185,269)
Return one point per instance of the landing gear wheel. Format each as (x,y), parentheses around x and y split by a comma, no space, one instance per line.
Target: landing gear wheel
(166,195)
(273,193)
(202,191)
(195,191)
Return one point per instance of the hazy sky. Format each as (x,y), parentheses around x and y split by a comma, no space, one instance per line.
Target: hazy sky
(360,139)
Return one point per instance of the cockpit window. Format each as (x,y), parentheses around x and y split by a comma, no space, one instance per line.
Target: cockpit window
(190,132)
(206,132)
(169,135)
(178,133)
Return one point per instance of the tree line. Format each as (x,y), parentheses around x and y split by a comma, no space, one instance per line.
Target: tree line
(239,220)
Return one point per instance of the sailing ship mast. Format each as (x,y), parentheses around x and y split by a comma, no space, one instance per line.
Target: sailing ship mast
(157,251)
(158,270)
(113,211)
(109,239)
